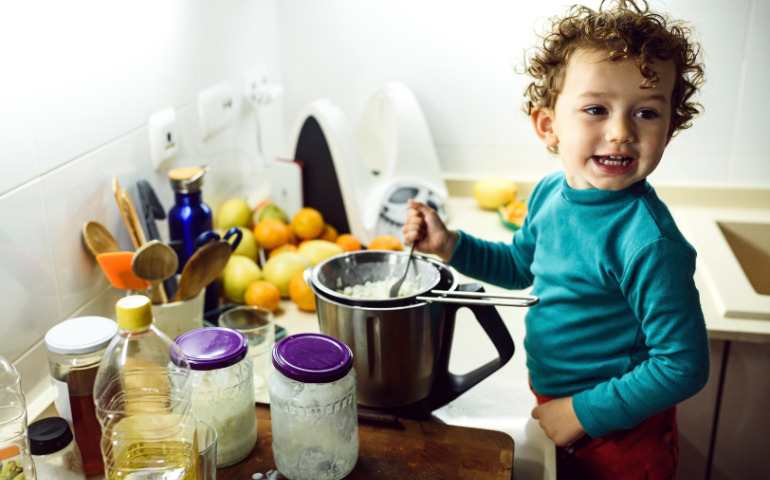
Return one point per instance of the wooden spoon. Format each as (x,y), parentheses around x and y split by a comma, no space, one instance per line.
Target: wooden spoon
(155,261)
(98,239)
(203,267)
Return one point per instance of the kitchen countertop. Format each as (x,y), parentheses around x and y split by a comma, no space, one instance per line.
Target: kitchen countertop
(398,448)
(719,277)
(503,401)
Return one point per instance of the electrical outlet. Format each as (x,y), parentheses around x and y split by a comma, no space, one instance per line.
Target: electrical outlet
(163,137)
(215,109)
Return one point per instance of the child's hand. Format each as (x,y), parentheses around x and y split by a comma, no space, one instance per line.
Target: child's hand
(423,225)
(559,421)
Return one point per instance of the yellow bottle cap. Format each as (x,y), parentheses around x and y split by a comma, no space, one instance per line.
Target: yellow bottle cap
(134,312)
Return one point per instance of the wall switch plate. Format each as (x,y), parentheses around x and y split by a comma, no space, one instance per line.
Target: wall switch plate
(215,109)
(163,137)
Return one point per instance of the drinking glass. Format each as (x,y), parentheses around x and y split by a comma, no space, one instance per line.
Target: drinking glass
(258,324)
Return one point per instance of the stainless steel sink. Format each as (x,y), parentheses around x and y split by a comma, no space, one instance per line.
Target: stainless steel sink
(734,257)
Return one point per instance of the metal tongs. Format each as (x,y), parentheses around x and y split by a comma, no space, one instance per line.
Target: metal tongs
(445,296)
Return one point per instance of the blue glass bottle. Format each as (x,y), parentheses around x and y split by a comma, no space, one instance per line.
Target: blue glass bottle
(190,216)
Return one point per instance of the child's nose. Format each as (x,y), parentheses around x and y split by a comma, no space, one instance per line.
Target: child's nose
(620,130)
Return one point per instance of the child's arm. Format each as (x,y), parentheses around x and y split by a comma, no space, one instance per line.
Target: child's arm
(424,226)
(557,418)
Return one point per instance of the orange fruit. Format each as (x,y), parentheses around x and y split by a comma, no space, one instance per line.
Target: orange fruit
(348,242)
(515,212)
(386,242)
(286,247)
(329,233)
(262,294)
(292,236)
(308,223)
(271,233)
(301,293)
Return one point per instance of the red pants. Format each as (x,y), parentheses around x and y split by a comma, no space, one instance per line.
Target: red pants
(648,451)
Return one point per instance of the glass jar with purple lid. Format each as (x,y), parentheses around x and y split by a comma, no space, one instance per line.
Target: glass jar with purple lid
(313,407)
(223,388)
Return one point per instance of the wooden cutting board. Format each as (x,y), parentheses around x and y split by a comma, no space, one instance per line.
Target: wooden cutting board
(402,450)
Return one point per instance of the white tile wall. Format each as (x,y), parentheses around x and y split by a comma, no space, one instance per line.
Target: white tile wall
(80,79)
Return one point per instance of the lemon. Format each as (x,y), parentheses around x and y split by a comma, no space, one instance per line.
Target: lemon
(270,211)
(234,212)
(319,250)
(238,274)
(248,245)
(493,192)
(280,269)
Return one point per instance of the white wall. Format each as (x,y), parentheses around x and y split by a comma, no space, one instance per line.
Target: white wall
(458,58)
(79,81)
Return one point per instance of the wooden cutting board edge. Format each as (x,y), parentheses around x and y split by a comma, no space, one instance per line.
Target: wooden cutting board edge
(403,450)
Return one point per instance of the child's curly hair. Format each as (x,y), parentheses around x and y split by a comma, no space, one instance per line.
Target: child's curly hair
(623,31)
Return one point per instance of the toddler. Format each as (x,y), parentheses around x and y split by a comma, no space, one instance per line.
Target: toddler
(618,338)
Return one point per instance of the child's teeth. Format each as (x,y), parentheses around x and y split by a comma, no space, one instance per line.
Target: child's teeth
(614,161)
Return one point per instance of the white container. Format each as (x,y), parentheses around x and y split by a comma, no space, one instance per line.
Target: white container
(14,442)
(176,318)
(313,408)
(223,388)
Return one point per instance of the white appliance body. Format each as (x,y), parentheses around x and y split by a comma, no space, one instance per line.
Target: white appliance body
(387,159)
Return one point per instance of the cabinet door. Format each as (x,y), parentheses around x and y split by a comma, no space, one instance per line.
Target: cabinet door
(741,447)
(695,418)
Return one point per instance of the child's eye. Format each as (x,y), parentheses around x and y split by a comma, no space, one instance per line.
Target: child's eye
(647,114)
(595,110)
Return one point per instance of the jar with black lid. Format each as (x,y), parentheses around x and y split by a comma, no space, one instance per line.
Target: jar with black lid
(54,450)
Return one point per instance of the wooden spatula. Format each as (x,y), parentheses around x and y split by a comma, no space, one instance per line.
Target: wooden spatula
(203,267)
(155,261)
(98,239)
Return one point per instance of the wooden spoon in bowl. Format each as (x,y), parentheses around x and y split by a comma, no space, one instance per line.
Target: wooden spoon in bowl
(98,239)
(203,267)
(155,262)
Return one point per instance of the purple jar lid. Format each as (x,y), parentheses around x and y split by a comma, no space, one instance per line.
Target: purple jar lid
(211,348)
(312,358)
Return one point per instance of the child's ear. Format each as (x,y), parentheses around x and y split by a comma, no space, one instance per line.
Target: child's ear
(542,120)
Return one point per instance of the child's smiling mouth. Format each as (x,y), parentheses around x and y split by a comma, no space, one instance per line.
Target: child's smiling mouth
(613,160)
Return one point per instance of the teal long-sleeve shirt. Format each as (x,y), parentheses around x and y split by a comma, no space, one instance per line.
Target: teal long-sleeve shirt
(619,326)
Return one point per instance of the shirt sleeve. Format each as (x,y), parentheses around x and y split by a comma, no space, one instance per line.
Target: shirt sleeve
(503,264)
(497,263)
(660,288)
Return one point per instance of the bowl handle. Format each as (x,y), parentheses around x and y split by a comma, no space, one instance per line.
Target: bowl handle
(449,386)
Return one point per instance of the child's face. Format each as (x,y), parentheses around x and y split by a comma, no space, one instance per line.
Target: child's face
(610,132)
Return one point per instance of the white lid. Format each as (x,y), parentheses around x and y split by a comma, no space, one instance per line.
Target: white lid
(81,335)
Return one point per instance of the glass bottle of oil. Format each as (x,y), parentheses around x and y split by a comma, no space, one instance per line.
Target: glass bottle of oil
(142,394)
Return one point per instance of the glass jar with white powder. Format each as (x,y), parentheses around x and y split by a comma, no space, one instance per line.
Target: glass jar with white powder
(223,388)
(313,408)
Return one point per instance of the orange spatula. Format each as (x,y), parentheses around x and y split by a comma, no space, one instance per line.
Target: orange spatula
(117,267)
